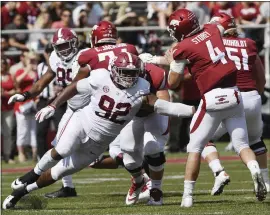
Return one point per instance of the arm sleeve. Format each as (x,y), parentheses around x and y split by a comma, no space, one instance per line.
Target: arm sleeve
(173,109)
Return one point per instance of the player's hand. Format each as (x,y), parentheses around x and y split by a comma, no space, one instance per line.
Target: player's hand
(146,58)
(45,113)
(16,98)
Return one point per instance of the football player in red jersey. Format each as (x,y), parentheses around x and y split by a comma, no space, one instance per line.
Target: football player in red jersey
(250,81)
(201,49)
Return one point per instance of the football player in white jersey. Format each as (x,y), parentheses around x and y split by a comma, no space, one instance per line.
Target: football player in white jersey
(116,97)
(65,44)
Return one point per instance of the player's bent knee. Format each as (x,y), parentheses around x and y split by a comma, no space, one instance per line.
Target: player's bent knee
(193,148)
(155,160)
(259,148)
(55,174)
(208,149)
(152,147)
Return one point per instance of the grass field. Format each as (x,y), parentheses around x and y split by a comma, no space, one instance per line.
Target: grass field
(104,191)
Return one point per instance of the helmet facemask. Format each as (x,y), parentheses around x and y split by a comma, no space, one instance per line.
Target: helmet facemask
(125,77)
(66,50)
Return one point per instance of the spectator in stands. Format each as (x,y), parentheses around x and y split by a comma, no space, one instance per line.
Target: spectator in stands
(65,22)
(55,10)
(221,7)
(20,65)
(162,9)
(40,40)
(93,12)
(25,111)
(8,11)
(17,40)
(8,88)
(200,10)
(109,6)
(29,10)
(4,44)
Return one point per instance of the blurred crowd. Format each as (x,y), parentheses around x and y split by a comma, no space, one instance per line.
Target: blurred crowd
(18,73)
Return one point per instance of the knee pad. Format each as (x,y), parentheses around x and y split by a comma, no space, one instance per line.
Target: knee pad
(208,149)
(55,174)
(155,160)
(259,148)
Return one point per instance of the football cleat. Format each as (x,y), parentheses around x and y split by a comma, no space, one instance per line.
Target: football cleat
(17,184)
(23,181)
(64,192)
(187,201)
(259,186)
(12,199)
(134,192)
(221,181)
(156,197)
(145,193)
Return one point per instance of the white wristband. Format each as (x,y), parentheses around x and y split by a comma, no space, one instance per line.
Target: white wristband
(178,66)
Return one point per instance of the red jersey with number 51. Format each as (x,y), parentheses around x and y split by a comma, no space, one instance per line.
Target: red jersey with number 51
(243,52)
(99,57)
(208,63)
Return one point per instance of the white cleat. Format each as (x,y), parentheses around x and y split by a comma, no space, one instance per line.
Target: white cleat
(145,193)
(17,184)
(12,199)
(187,201)
(259,186)
(134,192)
(156,197)
(221,181)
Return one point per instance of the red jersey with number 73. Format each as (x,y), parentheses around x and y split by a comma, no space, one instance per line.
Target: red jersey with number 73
(208,63)
(243,52)
(99,57)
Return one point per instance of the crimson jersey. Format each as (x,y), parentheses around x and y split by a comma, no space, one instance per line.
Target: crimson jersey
(99,57)
(243,52)
(156,76)
(208,63)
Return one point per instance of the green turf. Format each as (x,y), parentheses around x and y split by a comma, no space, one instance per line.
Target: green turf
(103,192)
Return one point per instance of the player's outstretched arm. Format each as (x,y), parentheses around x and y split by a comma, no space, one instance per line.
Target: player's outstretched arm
(36,89)
(167,108)
(82,86)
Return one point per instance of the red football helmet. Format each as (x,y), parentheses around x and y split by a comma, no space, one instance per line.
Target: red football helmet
(225,20)
(125,69)
(182,23)
(65,43)
(103,32)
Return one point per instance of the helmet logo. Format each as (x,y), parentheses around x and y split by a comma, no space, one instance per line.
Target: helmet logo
(174,22)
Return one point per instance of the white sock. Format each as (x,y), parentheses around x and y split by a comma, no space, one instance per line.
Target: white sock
(265,175)
(67,181)
(32,187)
(253,167)
(189,187)
(156,184)
(45,163)
(215,166)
